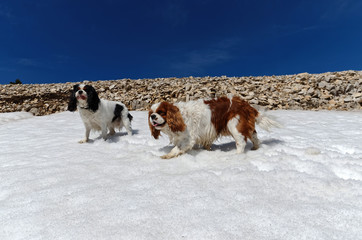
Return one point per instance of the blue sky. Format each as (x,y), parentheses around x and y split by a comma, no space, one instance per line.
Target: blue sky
(44,41)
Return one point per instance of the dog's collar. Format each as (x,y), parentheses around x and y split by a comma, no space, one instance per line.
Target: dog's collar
(88,109)
(85,108)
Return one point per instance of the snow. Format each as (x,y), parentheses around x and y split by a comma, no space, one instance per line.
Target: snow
(305,182)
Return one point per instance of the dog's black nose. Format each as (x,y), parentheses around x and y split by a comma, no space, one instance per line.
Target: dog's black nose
(80,91)
(153,116)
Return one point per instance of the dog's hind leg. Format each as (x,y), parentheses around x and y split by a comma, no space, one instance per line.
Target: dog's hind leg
(207,146)
(240,140)
(111,131)
(127,123)
(254,139)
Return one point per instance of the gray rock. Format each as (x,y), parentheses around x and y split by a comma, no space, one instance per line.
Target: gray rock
(322,84)
(34,111)
(349,87)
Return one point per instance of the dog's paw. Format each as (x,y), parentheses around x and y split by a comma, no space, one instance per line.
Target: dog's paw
(83,141)
(167,156)
(207,147)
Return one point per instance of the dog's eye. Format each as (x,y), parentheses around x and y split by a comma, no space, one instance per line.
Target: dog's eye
(85,88)
(161,112)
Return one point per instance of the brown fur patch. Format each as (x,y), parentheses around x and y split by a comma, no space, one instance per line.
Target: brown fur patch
(219,113)
(155,133)
(223,110)
(172,115)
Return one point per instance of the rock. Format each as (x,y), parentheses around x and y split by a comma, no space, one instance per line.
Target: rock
(188,87)
(338,82)
(348,99)
(34,111)
(328,78)
(329,87)
(322,84)
(254,101)
(310,91)
(302,91)
(325,96)
(349,87)
(357,95)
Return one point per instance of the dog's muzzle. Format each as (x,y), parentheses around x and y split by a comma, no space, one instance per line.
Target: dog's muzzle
(154,122)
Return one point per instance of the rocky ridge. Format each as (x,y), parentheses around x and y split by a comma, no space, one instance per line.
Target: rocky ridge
(325,91)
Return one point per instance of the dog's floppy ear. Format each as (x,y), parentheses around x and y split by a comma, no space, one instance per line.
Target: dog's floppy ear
(174,118)
(155,133)
(72,104)
(93,99)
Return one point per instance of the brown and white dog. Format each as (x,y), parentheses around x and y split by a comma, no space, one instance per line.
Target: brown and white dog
(201,122)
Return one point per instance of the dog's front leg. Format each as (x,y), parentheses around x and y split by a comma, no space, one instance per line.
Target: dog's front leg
(87,132)
(180,148)
(176,151)
(104,131)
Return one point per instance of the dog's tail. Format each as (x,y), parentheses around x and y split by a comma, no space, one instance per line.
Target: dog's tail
(266,122)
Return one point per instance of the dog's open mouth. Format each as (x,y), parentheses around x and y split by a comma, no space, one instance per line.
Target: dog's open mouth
(155,124)
(81,97)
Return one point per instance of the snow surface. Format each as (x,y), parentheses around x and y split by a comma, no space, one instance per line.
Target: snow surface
(305,182)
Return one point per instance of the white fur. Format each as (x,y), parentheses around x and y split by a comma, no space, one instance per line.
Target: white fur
(199,130)
(101,120)
(266,122)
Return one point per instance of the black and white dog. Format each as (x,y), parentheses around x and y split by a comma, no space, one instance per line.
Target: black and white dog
(98,114)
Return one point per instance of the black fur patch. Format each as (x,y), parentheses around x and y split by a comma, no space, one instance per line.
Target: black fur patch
(72,104)
(130,117)
(117,112)
(93,99)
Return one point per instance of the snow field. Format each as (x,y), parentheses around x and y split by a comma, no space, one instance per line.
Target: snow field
(305,182)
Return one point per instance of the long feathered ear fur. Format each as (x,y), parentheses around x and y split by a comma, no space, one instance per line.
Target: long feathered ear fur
(155,133)
(174,118)
(93,99)
(72,104)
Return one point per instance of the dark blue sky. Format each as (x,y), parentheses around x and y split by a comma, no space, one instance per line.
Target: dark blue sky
(44,41)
